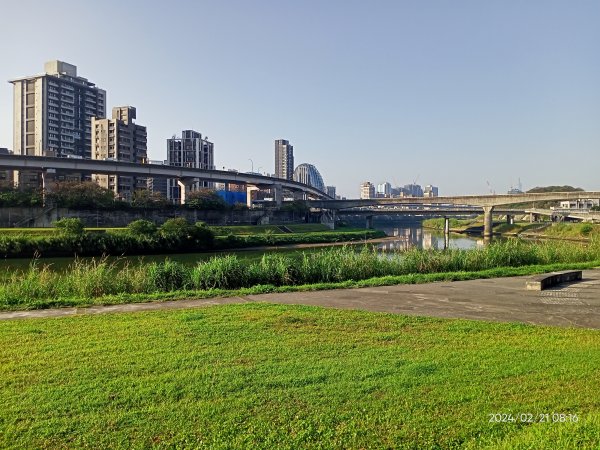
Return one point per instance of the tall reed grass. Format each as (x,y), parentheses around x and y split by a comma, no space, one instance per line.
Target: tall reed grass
(98,278)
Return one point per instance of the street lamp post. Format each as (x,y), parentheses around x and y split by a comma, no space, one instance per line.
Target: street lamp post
(252,162)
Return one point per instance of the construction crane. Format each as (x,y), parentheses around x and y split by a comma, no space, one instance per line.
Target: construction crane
(490,188)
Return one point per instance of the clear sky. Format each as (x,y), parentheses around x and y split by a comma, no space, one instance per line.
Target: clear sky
(450,93)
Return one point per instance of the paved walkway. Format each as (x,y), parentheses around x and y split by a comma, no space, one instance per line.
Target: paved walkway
(499,299)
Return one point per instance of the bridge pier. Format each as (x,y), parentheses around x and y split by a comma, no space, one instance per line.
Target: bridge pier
(488,222)
(369,222)
(446,226)
(249,189)
(278,194)
(47,176)
(185,187)
(510,219)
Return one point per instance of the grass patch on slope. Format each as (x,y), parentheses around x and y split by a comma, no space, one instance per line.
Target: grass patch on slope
(267,376)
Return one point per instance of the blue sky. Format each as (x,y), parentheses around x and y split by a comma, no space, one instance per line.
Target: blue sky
(451,93)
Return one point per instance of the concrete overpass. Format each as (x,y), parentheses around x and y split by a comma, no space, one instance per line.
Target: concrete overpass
(585,216)
(486,202)
(413,210)
(185,175)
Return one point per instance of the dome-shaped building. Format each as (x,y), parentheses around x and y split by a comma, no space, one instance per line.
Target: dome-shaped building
(308,174)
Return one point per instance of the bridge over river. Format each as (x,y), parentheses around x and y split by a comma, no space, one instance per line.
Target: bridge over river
(318,199)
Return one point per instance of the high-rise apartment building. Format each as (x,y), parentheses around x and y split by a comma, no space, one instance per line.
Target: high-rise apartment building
(330,190)
(120,139)
(284,159)
(367,190)
(52,114)
(190,150)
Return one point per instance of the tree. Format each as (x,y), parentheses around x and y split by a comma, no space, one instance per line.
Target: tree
(298,206)
(542,189)
(143,198)
(11,196)
(205,199)
(81,195)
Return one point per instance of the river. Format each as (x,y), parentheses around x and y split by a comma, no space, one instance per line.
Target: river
(404,233)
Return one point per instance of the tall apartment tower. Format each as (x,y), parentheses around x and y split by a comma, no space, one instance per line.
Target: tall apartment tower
(120,139)
(52,114)
(190,150)
(284,159)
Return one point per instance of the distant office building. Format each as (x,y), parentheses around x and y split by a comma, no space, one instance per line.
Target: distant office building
(6,176)
(367,190)
(396,192)
(330,191)
(120,139)
(430,191)
(384,190)
(412,190)
(52,115)
(308,174)
(190,150)
(284,159)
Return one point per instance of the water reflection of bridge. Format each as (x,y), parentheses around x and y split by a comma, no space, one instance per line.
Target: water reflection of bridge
(402,239)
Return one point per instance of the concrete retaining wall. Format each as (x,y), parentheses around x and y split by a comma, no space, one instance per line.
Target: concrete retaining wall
(43,217)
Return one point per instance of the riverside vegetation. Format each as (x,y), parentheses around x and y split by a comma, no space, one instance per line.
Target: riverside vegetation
(144,237)
(103,282)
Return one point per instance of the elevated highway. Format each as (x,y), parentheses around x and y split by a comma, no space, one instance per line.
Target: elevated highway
(185,175)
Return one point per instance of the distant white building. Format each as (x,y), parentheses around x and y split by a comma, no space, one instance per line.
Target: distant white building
(580,203)
(430,191)
(367,190)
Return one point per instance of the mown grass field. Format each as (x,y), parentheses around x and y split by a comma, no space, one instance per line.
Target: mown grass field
(270,376)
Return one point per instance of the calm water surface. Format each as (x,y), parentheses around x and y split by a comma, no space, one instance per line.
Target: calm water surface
(407,234)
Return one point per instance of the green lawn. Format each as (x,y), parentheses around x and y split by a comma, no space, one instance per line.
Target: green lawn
(267,376)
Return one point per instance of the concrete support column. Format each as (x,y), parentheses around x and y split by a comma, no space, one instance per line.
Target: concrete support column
(249,189)
(446,225)
(48,175)
(185,187)
(488,222)
(510,219)
(369,222)
(278,194)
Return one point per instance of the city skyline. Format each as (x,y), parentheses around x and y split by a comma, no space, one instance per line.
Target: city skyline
(460,95)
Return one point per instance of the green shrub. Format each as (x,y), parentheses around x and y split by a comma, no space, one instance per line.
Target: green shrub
(70,226)
(142,227)
(586,229)
(176,228)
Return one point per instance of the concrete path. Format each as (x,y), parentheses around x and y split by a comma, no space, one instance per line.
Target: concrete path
(499,299)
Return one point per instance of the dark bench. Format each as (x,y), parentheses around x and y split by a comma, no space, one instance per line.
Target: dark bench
(541,282)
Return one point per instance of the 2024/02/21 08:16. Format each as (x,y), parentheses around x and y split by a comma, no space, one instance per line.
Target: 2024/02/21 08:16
(532,418)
